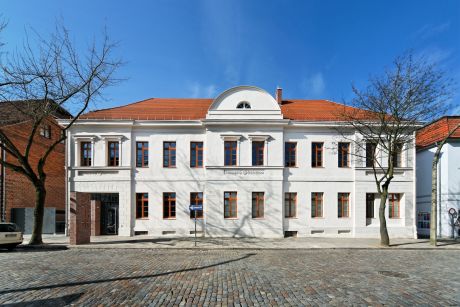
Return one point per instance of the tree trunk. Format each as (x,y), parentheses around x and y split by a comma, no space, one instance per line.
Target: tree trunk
(434,199)
(384,238)
(40,195)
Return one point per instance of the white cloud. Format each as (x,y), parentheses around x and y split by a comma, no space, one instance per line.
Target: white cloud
(198,90)
(430,30)
(314,85)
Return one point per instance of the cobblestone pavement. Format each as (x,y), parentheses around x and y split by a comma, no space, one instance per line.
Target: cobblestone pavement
(136,277)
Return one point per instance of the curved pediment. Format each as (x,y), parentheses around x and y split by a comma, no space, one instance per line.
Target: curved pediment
(244,102)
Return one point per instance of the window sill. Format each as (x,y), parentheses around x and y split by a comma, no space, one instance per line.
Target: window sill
(169,218)
(343,217)
(169,166)
(198,218)
(318,218)
(291,217)
(142,218)
(291,167)
(142,166)
(318,167)
(258,218)
(196,167)
(230,218)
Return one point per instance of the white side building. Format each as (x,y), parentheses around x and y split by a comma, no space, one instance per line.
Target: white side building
(448,177)
(260,167)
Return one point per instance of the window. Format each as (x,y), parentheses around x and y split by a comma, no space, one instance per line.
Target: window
(230,148)
(290,205)
(370,198)
(371,148)
(257,205)
(63,136)
(397,155)
(290,154)
(230,205)
(243,105)
(343,205)
(45,131)
(142,205)
(316,204)
(169,154)
(423,220)
(344,149)
(196,154)
(142,154)
(169,205)
(258,153)
(196,199)
(114,153)
(85,153)
(316,154)
(394,205)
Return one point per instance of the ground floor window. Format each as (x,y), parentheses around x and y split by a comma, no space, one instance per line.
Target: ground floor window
(370,198)
(196,199)
(257,205)
(169,205)
(316,204)
(423,220)
(343,205)
(142,205)
(230,205)
(290,205)
(394,205)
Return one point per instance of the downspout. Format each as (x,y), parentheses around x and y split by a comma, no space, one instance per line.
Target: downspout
(2,188)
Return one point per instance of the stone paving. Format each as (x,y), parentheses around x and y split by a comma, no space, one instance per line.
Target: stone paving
(139,277)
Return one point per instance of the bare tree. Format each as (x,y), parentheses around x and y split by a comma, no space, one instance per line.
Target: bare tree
(434,186)
(386,114)
(48,75)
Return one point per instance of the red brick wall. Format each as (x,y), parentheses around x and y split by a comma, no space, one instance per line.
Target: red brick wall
(20,193)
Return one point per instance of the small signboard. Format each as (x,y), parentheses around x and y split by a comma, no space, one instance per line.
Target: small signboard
(196,207)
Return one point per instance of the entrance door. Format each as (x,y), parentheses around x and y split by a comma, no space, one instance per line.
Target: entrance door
(109,213)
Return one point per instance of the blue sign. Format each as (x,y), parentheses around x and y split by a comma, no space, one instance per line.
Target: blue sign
(195,207)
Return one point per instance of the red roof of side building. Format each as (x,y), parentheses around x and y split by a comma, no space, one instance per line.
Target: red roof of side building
(437,131)
(193,109)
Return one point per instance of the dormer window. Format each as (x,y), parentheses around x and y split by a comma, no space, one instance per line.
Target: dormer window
(243,105)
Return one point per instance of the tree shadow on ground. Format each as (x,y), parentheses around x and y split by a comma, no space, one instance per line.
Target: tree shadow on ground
(88,282)
(57,301)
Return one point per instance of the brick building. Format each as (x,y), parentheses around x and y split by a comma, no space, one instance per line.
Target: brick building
(17,194)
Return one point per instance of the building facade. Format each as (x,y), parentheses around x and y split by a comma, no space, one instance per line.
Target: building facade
(17,193)
(260,166)
(448,177)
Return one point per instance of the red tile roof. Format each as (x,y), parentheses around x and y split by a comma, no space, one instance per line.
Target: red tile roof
(437,131)
(192,109)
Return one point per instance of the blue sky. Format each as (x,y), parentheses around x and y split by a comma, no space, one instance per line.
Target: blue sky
(312,49)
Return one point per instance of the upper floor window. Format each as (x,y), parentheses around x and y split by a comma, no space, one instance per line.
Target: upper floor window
(344,151)
(169,154)
(196,199)
(243,105)
(169,205)
(45,131)
(196,154)
(316,204)
(394,206)
(142,154)
(370,198)
(142,205)
(290,154)
(230,205)
(371,148)
(258,153)
(343,205)
(397,155)
(85,153)
(114,153)
(230,148)
(257,205)
(316,154)
(290,205)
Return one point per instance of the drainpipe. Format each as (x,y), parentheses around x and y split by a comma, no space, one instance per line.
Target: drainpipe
(2,188)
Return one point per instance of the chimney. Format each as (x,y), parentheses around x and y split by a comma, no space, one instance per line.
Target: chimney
(279,95)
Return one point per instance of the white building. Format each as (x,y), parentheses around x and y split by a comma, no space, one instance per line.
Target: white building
(260,166)
(448,176)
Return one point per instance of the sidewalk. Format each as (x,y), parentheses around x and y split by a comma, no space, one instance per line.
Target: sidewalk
(244,243)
